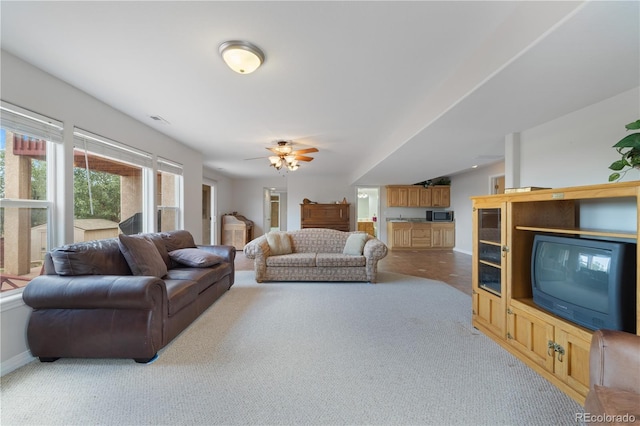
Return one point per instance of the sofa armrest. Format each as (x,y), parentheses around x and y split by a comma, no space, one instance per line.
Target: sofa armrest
(374,249)
(228,253)
(614,360)
(257,248)
(95,292)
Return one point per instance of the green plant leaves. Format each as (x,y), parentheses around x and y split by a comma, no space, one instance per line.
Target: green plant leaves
(633,126)
(629,149)
(619,165)
(629,141)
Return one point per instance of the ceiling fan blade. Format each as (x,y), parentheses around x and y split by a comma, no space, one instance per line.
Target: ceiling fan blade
(304,151)
(303,158)
(255,158)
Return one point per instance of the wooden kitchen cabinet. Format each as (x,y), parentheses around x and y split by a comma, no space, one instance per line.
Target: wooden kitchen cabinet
(424,197)
(398,196)
(420,235)
(443,235)
(399,234)
(418,196)
(440,196)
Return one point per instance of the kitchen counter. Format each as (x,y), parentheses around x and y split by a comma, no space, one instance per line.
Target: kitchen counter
(406,219)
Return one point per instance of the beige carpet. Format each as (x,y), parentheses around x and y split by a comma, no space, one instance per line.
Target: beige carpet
(398,352)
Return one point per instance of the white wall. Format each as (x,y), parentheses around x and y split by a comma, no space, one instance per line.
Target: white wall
(572,150)
(329,189)
(30,88)
(247,199)
(576,149)
(463,186)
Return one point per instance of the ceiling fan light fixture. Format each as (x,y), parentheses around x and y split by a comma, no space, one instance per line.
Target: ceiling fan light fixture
(286,157)
(241,56)
(274,159)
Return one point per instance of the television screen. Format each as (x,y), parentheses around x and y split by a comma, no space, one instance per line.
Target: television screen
(587,281)
(574,273)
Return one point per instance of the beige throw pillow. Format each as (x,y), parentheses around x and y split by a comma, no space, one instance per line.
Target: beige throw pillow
(279,243)
(355,244)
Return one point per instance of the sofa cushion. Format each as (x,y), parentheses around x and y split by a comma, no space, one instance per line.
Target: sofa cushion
(204,277)
(162,248)
(293,259)
(180,293)
(195,257)
(279,243)
(355,244)
(336,259)
(99,257)
(174,240)
(142,255)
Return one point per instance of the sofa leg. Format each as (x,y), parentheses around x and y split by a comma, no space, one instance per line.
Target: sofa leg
(48,359)
(146,360)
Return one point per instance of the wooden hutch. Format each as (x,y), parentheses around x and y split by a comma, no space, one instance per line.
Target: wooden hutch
(332,216)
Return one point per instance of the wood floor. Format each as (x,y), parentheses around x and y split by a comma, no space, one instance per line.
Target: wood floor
(448,266)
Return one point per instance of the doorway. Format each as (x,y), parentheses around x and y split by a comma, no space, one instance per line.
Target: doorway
(368,209)
(497,184)
(208,214)
(275,209)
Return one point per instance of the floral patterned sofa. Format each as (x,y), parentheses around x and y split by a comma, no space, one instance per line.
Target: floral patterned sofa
(316,254)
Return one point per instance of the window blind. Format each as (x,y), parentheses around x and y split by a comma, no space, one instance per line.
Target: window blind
(167,166)
(28,123)
(110,148)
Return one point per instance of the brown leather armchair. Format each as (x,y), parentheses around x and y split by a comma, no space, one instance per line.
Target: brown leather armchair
(614,368)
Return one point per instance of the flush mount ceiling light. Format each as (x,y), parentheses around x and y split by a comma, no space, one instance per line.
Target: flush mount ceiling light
(241,56)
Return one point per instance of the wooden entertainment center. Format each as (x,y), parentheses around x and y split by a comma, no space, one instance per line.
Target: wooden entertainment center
(504,226)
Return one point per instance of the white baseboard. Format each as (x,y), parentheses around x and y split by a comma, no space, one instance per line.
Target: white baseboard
(462,251)
(16,362)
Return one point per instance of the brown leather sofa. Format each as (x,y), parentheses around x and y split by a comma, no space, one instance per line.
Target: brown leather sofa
(124,297)
(614,368)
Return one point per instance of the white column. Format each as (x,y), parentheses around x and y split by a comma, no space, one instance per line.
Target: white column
(512,160)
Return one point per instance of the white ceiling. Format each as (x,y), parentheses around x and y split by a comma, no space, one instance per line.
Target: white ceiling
(389,92)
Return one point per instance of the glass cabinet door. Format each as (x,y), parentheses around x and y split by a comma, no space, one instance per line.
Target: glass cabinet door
(490,250)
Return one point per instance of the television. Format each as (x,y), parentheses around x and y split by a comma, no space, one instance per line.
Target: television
(587,281)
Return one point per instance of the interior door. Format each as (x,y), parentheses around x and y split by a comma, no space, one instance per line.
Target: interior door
(209,213)
(206,214)
(266,210)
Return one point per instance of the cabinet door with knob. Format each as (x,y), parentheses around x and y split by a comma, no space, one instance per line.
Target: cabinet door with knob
(561,350)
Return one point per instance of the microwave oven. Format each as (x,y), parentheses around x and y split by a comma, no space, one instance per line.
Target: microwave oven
(439,215)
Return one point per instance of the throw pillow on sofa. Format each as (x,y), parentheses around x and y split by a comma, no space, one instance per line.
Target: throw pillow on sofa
(195,258)
(355,244)
(142,255)
(279,243)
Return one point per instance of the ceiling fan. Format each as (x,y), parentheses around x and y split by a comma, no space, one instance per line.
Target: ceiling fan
(286,156)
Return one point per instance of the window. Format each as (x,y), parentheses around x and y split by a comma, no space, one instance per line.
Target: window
(110,182)
(26,186)
(169,196)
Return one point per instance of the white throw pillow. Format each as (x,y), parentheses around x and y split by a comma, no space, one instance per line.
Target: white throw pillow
(355,244)
(279,243)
